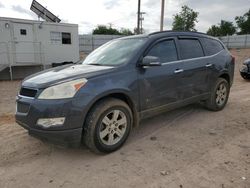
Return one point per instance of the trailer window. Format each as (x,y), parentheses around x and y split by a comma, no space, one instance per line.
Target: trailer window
(60,38)
(23,32)
(66,38)
(55,37)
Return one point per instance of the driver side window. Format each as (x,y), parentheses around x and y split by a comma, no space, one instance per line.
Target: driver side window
(165,51)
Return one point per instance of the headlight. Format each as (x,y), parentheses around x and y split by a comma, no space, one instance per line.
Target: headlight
(63,91)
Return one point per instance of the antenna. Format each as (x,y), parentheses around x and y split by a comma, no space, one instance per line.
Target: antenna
(42,12)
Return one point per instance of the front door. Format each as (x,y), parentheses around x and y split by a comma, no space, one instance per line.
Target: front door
(159,85)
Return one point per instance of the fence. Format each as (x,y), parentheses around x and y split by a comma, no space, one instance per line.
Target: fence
(21,53)
(236,41)
(90,42)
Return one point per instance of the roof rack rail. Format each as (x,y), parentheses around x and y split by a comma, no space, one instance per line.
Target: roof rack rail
(168,31)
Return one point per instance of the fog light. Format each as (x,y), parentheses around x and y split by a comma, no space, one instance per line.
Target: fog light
(49,122)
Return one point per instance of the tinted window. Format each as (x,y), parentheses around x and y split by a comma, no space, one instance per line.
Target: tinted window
(211,46)
(66,38)
(23,32)
(165,51)
(190,48)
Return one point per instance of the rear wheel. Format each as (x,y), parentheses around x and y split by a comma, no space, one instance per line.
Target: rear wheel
(219,96)
(107,125)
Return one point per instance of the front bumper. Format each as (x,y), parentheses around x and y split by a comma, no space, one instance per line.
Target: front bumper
(245,73)
(70,138)
(70,133)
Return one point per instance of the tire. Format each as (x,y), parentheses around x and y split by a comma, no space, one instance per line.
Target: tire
(107,125)
(219,96)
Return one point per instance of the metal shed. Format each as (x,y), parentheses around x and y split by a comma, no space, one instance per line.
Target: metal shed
(32,44)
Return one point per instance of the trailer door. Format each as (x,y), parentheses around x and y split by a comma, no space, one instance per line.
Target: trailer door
(24,46)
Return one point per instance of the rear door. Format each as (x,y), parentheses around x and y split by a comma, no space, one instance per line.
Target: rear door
(213,51)
(194,77)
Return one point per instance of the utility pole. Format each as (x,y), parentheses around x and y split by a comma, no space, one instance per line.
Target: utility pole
(138,16)
(141,20)
(162,14)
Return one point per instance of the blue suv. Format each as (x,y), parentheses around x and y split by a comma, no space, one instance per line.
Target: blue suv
(99,100)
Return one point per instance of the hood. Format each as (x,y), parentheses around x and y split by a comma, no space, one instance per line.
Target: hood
(64,73)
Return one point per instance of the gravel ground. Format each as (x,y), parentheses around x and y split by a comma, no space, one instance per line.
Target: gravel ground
(185,148)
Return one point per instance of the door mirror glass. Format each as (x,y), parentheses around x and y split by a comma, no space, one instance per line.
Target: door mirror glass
(151,61)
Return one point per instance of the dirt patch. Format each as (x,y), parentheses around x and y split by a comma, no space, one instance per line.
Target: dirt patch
(188,147)
(4,119)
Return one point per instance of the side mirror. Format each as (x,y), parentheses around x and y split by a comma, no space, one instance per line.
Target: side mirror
(150,61)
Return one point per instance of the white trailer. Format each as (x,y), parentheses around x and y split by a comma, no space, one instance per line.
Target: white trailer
(31,43)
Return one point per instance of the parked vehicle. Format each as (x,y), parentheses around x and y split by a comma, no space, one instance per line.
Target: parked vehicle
(99,100)
(245,70)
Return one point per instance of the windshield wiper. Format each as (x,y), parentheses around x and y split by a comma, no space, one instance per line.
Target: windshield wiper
(97,64)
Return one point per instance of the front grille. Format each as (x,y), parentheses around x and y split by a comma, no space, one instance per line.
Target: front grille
(22,107)
(27,92)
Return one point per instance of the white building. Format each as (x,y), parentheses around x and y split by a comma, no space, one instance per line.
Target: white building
(32,43)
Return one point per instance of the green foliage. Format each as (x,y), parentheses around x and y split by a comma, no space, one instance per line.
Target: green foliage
(243,23)
(126,32)
(104,30)
(185,20)
(223,29)
(214,31)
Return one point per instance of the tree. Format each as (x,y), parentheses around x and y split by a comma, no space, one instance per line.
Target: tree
(185,20)
(243,23)
(104,30)
(214,31)
(126,32)
(223,29)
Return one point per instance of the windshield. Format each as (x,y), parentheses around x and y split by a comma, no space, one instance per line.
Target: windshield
(115,52)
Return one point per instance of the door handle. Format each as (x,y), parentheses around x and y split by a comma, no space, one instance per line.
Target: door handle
(178,71)
(209,65)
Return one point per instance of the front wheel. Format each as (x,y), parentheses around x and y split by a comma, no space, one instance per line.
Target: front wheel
(219,96)
(107,126)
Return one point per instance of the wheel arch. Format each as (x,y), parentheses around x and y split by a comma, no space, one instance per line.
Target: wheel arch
(226,77)
(121,95)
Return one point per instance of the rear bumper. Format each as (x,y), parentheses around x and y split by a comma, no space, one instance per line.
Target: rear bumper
(69,138)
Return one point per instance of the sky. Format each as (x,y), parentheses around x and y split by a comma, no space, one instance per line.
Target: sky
(122,13)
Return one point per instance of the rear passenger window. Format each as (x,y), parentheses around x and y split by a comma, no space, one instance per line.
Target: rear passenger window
(165,51)
(211,46)
(190,48)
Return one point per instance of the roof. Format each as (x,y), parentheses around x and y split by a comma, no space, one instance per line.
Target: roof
(170,33)
(18,20)
(174,33)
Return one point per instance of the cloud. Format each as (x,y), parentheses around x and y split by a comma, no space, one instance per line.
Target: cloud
(85,27)
(111,4)
(21,10)
(1,5)
(210,12)
(123,13)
